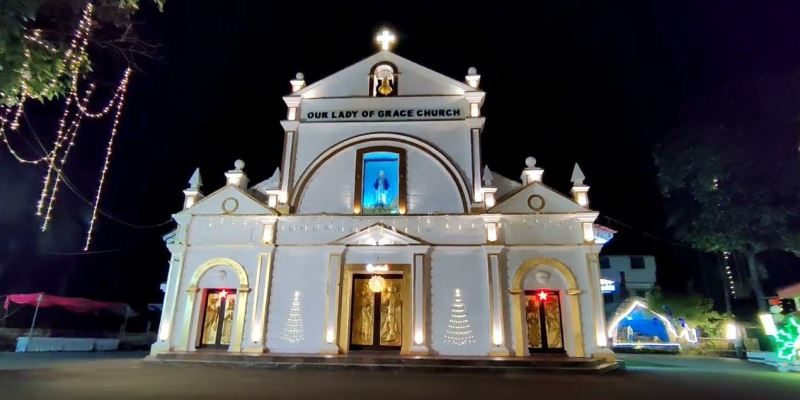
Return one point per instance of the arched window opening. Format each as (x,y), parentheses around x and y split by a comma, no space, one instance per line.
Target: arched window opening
(383,80)
(380,181)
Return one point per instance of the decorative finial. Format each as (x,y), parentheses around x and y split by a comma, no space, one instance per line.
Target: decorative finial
(530,162)
(488,176)
(385,38)
(196,181)
(298,82)
(238,164)
(577,176)
(472,78)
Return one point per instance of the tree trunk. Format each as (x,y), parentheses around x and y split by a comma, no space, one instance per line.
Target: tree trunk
(755,281)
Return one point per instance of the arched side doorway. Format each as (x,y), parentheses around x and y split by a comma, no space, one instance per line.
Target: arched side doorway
(566,287)
(215,306)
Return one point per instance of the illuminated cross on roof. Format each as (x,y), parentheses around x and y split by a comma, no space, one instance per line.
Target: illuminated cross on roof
(385,38)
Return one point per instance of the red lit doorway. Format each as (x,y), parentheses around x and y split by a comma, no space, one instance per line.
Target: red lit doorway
(543,319)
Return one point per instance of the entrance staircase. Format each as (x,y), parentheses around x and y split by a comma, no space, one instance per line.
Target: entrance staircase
(384,361)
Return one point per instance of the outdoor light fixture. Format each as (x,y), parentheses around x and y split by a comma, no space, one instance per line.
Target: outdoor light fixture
(329,337)
(377,284)
(491,232)
(377,268)
(588,232)
(768,322)
(731,331)
(268,234)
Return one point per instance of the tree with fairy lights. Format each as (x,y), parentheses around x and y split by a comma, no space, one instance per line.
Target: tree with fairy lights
(293,329)
(34,32)
(459,331)
(44,55)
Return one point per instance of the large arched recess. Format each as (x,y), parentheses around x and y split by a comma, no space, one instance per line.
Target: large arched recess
(385,138)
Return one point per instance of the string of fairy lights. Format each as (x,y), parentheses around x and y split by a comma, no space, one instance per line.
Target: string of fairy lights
(729,273)
(76,109)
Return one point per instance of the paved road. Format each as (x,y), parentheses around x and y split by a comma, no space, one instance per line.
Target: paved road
(124,376)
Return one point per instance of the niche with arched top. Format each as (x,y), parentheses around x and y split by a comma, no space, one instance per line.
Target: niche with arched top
(383,80)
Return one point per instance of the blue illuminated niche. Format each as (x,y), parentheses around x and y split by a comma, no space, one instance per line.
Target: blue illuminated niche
(380,185)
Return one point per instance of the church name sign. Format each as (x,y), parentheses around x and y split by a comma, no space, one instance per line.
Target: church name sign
(401,114)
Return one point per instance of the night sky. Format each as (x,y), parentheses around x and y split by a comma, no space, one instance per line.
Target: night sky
(597,82)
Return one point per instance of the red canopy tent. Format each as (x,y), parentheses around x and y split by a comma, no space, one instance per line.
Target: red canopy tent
(789,292)
(74,304)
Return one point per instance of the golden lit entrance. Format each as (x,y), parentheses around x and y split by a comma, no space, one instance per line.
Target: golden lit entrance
(377,312)
(218,317)
(543,318)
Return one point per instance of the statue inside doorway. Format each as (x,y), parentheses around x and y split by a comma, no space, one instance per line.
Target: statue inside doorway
(392,307)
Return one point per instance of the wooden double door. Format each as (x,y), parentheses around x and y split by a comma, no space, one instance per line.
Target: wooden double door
(543,319)
(217,318)
(376,318)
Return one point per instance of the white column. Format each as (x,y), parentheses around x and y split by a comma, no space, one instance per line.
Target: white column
(601,341)
(286,166)
(331,302)
(254,340)
(165,341)
(419,340)
(476,165)
(497,346)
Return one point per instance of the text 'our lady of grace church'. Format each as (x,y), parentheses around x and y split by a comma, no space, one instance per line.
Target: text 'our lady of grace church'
(382,230)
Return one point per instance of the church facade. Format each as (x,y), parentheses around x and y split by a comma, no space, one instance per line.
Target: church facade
(383,230)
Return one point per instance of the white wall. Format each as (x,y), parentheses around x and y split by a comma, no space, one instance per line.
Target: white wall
(302,269)
(465,269)
(635,278)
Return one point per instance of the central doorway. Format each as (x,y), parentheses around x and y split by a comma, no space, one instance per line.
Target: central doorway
(218,318)
(543,318)
(376,316)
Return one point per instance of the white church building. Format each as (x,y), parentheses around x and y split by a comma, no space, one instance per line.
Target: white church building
(383,230)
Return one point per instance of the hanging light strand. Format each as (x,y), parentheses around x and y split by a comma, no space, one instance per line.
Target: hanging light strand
(72,59)
(51,159)
(72,132)
(109,147)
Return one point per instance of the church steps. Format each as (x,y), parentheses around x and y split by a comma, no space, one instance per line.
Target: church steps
(376,361)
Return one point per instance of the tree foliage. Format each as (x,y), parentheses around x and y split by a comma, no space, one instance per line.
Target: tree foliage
(730,170)
(55,21)
(696,310)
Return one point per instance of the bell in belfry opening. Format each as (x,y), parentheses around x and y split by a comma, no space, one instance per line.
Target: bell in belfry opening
(385,88)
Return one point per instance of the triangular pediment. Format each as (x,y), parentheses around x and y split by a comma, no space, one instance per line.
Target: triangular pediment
(229,200)
(378,235)
(537,198)
(414,80)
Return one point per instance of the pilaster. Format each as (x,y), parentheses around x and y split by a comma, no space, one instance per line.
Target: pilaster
(498,346)
(420,339)
(255,342)
(601,341)
(165,341)
(332,296)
